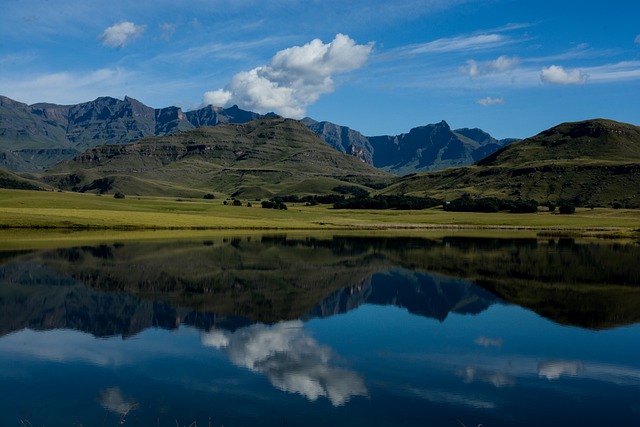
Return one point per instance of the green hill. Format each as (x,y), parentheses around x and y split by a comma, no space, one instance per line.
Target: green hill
(258,159)
(594,162)
(13,181)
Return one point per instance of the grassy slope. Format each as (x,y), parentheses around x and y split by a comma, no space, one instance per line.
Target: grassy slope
(257,159)
(596,161)
(13,181)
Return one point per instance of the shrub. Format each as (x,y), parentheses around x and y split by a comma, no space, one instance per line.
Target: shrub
(268,204)
(209,196)
(524,206)
(118,195)
(567,209)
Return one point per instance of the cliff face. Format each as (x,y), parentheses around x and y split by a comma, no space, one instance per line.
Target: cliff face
(35,137)
(255,159)
(343,139)
(431,148)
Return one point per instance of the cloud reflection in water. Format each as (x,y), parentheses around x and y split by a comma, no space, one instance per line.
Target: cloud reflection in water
(496,378)
(113,400)
(291,360)
(554,369)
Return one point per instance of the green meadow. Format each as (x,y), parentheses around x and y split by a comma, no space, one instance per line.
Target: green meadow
(40,216)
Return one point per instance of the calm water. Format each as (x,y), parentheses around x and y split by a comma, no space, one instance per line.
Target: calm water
(290,331)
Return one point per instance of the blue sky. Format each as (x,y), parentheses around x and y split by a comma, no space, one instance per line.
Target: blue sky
(513,68)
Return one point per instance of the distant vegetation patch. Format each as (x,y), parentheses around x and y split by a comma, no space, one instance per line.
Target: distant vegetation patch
(387,202)
(16,184)
(310,200)
(466,203)
(270,204)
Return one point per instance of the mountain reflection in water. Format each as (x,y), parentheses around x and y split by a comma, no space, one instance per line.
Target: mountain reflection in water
(122,289)
(272,330)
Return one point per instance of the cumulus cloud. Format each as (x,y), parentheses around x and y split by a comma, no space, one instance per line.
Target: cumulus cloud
(291,360)
(501,64)
(488,101)
(120,34)
(294,78)
(556,74)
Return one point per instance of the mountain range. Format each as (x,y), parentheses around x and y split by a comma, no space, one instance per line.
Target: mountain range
(590,163)
(35,137)
(242,154)
(253,160)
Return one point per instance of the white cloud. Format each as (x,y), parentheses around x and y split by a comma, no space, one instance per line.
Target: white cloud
(501,64)
(556,74)
(120,34)
(488,101)
(294,78)
(621,71)
(167,30)
(291,360)
(472,68)
(458,44)
(637,39)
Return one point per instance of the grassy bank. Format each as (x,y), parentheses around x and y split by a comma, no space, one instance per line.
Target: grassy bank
(24,210)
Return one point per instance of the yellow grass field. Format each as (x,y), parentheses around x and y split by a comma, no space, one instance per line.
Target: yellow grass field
(28,214)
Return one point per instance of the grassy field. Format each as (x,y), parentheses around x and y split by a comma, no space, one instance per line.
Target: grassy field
(29,213)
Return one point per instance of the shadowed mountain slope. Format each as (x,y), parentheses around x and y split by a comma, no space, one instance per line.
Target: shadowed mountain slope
(35,137)
(425,148)
(593,162)
(257,159)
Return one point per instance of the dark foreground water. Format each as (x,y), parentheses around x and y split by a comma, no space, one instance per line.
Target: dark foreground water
(343,331)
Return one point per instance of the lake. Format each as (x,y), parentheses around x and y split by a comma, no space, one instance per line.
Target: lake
(291,330)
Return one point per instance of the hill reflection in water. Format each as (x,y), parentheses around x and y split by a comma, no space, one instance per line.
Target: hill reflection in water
(121,289)
(274,330)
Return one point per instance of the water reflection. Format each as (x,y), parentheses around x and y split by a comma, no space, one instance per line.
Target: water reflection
(122,289)
(342,330)
(496,378)
(113,400)
(554,369)
(291,359)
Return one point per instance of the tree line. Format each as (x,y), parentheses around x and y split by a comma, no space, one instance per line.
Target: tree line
(362,199)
